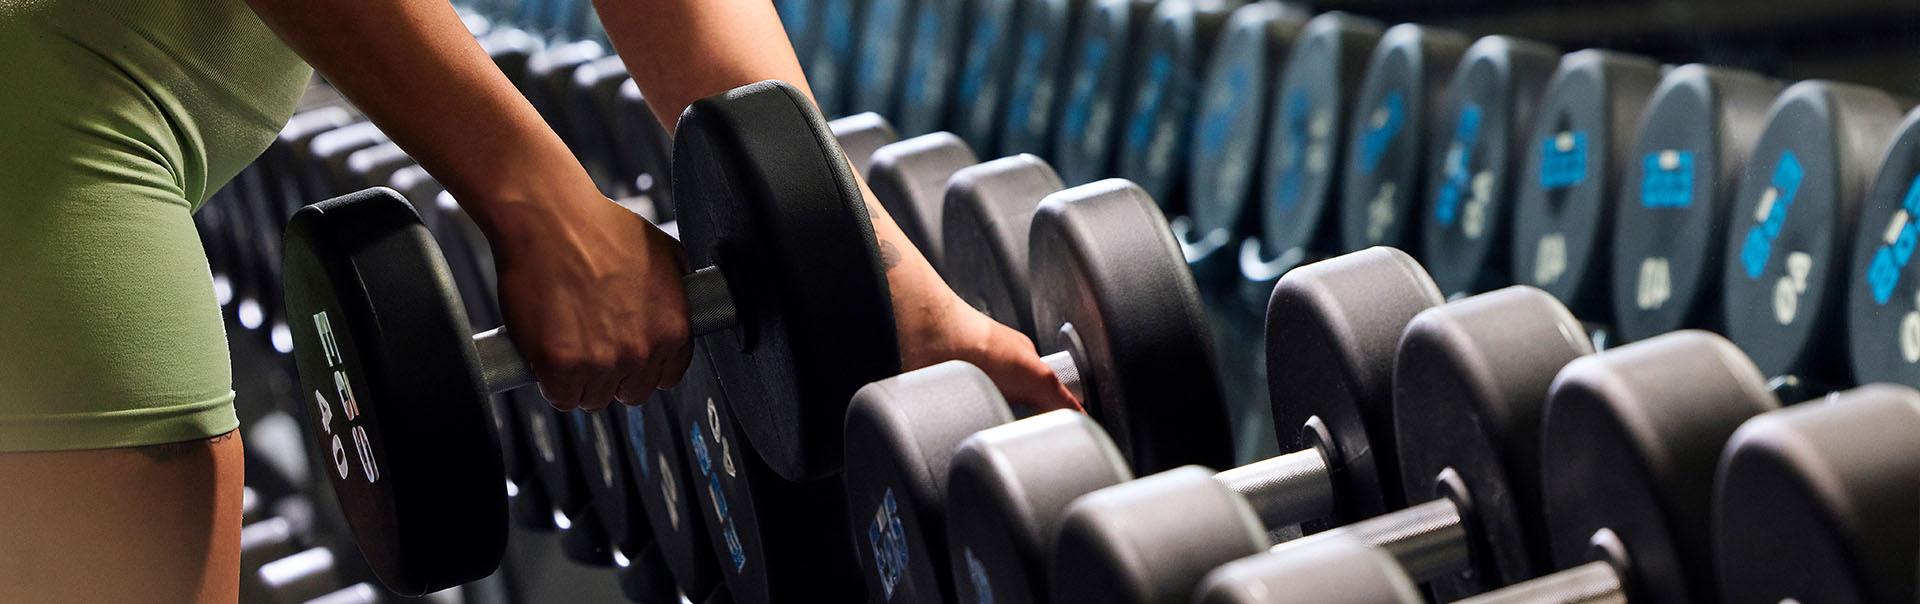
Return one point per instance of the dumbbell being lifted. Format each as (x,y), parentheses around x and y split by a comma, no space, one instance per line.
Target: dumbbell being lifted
(791,271)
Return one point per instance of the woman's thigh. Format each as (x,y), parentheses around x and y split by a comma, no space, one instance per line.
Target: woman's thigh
(158,523)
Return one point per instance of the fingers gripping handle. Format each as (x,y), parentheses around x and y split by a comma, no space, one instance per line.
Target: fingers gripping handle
(709,309)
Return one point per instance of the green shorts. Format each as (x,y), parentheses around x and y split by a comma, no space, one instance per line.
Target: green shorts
(120,118)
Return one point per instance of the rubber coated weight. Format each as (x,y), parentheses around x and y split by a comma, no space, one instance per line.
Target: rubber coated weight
(1464,213)
(1342,318)
(1820,502)
(590,108)
(1883,304)
(645,578)
(860,135)
(774,537)
(1100,71)
(599,441)
(282,158)
(1227,128)
(880,64)
(983,81)
(1155,131)
(1006,492)
(645,150)
(1678,183)
(1098,254)
(1580,143)
(327,153)
(657,464)
(1792,225)
(1300,174)
(830,65)
(550,81)
(374,167)
(584,539)
(1095,563)
(935,51)
(909,178)
(1042,41)
(901,436)
(1328,570)
(1469,385)
(1383,175)
(984,234)
(792,228)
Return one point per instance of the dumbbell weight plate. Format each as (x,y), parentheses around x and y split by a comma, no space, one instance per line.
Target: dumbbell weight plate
(599,445)
(1301,174)
(1383,175)
(801,19)
(658,468)
(829,64)
(374,167)
(281,160)
(1228,127)
(1678,186)
(1041,40)
(981,86)
(645,578)
(1472,159)
(1883,302)
(1580,143)
(909,178)
(1792,224)
(773,536)
(590,98)
(645,150)
(1101,72)
(860,135)
(879,65)
(935,51)
(988,210)
(1155,133)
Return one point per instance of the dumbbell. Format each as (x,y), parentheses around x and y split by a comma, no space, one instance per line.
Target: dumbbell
(1471,159)
(909,178)
(879,64)
(1300,175)
(644,577)
(377,319)
(659,467)
(591,105)
(860,135)
(984,221)
(326,155)
(1156,130)
(934,52)
(1042,39)
(1883,309)
(374,166)
(1485,358)
(550,78)
(261,542)
(283,157)
(645,151)
(772,536)
(801,19)
(1228,126)
(1100,68)
(1123,336)
(830,62)
(358,593)
(299,577)
(985,72)
(1399,102)
(1577,150)
(1793,222)
(1630,442)
(598,441)
(1689,151)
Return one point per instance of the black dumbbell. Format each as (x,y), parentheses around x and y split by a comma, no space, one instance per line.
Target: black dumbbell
(909,178)
(1155,132)
(358,593)
(298,577)
(934,53)
(984,223)
(879,64)
(1630,442)
(1153,539)
(325,156)
(1100,69)
(261,542)
(1576,154)
(644,577)
(1883,312)
(1300,174)
(985,72)
(599,447)
(645,151)
(1229,123)
(829,63)
(1671,209)
(592,104)
(1792,225)
(283,157)
(1042,39)
(801,18)
(659,467)
(1471,160)
(376,317)
(550,79)
(1399,103)
(902,431)
(860,135)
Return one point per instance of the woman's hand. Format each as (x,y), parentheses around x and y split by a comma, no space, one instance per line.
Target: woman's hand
(950,329)
(592,297)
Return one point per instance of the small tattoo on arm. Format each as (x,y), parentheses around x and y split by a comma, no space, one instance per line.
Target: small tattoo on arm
(889,255)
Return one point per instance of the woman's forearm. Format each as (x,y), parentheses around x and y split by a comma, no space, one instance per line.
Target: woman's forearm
(414,69)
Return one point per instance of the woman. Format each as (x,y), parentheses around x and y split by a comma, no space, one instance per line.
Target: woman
(120,469)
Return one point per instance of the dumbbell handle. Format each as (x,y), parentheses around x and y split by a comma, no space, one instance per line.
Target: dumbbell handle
(1068,372)
(1429,540)
(709,308)
(1596,582)
(1285,490)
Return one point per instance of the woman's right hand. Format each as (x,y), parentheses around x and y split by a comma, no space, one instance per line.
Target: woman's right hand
(592,297)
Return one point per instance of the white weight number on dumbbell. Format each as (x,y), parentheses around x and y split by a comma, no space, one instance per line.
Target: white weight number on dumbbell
(1656,283)
(1787,290)
(350,410)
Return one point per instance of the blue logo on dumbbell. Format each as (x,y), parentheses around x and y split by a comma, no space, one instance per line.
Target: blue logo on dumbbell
(1666,179)
(1458,170)
(736,553)
(1896,250)
(1382,126)
(1771,214)
(637,439)
(977,575)
(1563,160)
(888,540)
(1140,127)
(1297,114)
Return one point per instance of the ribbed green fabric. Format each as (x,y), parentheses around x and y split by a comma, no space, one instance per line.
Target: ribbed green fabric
(117,119)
